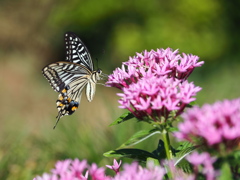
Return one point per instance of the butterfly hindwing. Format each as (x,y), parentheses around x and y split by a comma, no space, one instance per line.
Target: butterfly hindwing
(76,51)
(90,90)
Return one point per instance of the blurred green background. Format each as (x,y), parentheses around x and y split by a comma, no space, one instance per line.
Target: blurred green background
(31,36)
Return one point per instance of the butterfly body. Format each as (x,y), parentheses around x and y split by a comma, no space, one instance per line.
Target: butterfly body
(70,77)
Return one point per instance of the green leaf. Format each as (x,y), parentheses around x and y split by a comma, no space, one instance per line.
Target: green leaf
(191,104)
(184,145)
(234,158)
(182,151)
(124,117)
(172,129)
(155,161)
(140,136)
(160,151)
(225,172)
(185,166)
(130,153)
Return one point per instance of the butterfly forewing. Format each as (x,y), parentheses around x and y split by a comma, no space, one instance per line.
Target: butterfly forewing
(76,51)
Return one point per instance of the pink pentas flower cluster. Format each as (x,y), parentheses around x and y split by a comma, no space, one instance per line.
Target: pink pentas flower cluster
(154,83)
(80,170)
(215,124)
(203,164)
(135,172)
(74,170)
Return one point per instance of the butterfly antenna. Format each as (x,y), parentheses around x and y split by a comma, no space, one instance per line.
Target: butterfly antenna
(58,118)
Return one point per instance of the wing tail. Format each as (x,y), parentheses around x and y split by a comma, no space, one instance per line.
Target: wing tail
(58,118)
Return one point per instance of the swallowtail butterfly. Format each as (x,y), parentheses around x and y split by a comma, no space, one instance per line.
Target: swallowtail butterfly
(71,76)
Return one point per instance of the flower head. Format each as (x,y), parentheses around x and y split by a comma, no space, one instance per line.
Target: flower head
(65,171)
(154,83)
(135,172)
(214,124)
(206,162)
(74,170)
(97,173)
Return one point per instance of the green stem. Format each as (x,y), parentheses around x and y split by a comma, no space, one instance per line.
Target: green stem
(166,141)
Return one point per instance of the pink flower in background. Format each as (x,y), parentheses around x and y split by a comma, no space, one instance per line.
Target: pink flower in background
(65,170)
(205,161)
(74,170)
(97,173)
(46,176)
(135,172)
(215,124)
(158,63)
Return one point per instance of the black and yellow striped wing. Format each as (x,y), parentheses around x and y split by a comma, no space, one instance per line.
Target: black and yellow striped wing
(70,77)
(63,74)
(76,51)
(69,80)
